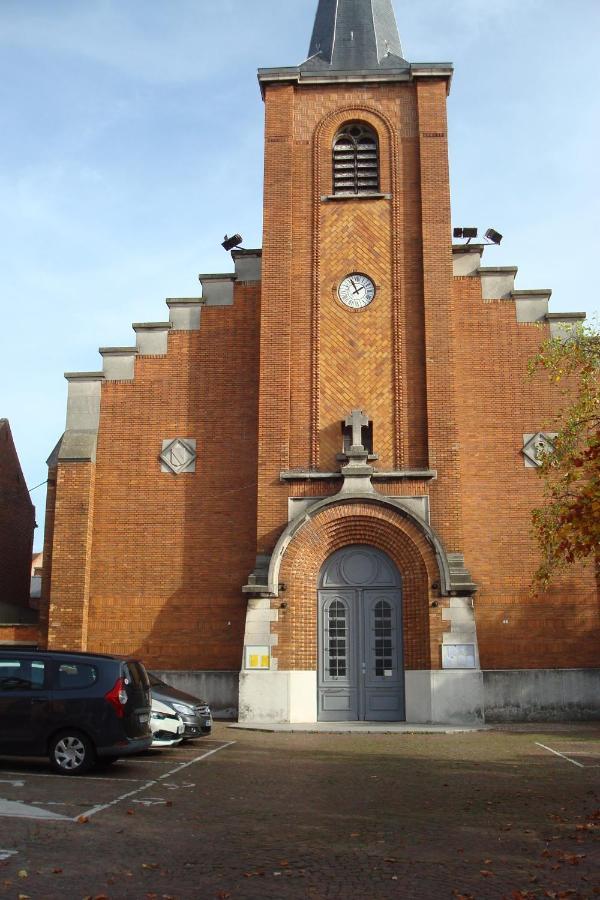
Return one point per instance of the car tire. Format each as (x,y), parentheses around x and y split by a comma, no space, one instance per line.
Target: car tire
(71,753)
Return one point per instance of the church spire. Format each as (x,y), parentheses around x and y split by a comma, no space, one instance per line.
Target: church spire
(354,35)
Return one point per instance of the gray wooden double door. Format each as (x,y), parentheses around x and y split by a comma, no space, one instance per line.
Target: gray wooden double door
(361,673)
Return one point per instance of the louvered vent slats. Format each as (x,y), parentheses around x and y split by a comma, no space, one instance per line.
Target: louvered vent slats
(355,160)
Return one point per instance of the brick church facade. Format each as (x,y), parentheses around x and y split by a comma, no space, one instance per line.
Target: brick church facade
(320,473)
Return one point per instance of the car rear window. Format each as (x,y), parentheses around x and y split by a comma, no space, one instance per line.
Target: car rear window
(75,675)
(21,674)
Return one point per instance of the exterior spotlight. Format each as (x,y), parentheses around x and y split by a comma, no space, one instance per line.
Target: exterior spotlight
(468,233)
(230,242)
(492,236)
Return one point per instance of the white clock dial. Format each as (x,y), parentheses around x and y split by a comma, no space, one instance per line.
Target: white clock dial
(356,291)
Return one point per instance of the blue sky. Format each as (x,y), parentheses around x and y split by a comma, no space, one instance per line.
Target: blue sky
(131,142)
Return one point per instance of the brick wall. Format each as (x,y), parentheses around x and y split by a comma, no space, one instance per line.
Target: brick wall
(497,404)
(17,521)
(28,635)
(161,575)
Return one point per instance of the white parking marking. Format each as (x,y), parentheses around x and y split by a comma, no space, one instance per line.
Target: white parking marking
(6,854)
(79,777)
(558,753)
(102,806)
(18,810)
(13,783)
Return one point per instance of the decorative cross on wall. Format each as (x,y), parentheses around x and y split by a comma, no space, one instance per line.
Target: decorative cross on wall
(357,420)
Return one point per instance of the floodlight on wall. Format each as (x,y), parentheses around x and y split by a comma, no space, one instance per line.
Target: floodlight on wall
(493,237)
(468,233)
(231,242)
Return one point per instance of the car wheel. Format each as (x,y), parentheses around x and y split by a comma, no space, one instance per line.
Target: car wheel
(71,753)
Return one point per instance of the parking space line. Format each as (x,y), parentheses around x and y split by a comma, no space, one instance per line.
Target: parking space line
(79,777)
(558,753)
(102,806)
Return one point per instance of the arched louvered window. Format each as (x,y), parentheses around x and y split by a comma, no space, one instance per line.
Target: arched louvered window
(355,160)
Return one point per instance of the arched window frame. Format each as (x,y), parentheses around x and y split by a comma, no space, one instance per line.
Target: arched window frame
(355,160)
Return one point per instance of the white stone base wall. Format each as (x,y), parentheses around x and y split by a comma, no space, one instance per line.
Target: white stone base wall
(445,697)
(450,697)
(278,697)
(542,695)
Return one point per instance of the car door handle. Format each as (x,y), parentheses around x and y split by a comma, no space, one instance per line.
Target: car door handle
(39,699)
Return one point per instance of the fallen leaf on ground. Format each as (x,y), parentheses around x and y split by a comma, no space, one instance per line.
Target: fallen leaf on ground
(573,859)
(22,873)
(82,820)
(486,873)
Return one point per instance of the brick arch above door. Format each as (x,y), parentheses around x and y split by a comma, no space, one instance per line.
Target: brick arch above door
(344,524)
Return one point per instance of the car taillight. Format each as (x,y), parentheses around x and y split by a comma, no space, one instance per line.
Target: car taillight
(117,697)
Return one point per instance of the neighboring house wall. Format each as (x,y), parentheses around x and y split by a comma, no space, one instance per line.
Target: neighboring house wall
(17,522)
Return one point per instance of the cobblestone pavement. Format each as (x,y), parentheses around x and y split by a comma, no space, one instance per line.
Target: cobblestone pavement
(482,815)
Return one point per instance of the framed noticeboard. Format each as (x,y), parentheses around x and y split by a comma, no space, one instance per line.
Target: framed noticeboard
(257,658)
(458,656)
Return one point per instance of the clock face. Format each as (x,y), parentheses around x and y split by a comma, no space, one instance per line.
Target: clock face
(356,291)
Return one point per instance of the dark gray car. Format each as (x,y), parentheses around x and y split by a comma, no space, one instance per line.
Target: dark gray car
(75,708)
(195,712)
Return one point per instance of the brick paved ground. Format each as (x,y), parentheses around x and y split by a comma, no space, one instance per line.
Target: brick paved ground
(482,815)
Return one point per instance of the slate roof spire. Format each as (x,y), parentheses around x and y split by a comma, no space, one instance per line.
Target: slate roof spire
(354,35)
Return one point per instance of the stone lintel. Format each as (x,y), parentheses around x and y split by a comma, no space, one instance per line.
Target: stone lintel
(216,276)
(117,351)
(567,317)
(151,326)
(536,292)
(394,475)
(328,198)
(84,376)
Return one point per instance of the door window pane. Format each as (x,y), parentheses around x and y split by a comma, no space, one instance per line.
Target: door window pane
(336,640)
(383,636)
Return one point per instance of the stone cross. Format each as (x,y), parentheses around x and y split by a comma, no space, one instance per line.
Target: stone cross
(358,420)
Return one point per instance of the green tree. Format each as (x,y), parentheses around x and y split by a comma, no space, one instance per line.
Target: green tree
(567,525)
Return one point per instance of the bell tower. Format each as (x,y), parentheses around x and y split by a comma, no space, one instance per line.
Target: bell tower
(357,265)
(358,468)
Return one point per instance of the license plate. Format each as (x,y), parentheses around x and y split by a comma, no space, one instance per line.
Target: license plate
(207,723)
(180,729)
(144,717)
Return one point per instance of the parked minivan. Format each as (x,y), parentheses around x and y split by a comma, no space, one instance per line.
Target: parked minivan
(75,708)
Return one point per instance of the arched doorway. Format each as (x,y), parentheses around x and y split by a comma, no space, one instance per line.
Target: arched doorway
(360,670)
